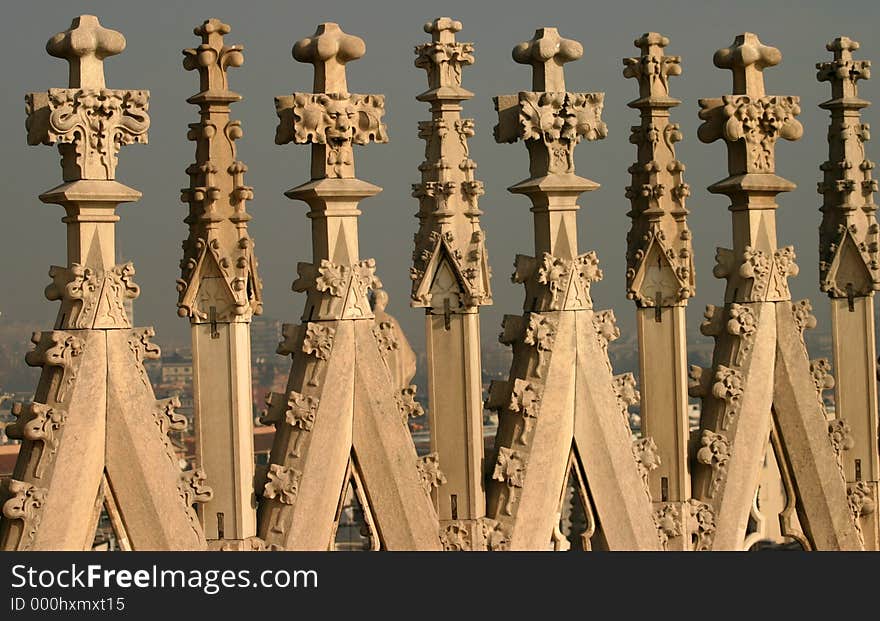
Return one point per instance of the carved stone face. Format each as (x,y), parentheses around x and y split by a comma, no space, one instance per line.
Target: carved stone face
(339,119)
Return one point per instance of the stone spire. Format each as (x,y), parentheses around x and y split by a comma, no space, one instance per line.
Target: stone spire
(760,363)
(660,279)
(95,433)
(849,273)
(344,412)
(219,291)
(451,281)
(561,407)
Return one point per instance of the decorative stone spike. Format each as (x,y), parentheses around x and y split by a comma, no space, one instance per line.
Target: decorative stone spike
(562,394)
(761,378)
(848,267)
(219,291)
(94,434)
(660,279)
(450,276)
(351,370)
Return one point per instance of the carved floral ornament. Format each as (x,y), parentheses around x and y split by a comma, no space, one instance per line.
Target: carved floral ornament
(481,534)
(702,525)
(429,472)
(647,458)
(56,349)
(37,422)
(667,519)
(89,125)
(282,484)
(407,404)
(509,469)
(337,120)
(714,451)
(25,503)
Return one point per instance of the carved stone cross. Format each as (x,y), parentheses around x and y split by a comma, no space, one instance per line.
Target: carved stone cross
(843,72)
(443,29)
(213,57)
(329,49)
(330,118)
(85,45)
(652,69)
(87,121)
(546,52)
(747,58)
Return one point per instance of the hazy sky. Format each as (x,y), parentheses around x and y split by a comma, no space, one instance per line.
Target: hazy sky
(150,231)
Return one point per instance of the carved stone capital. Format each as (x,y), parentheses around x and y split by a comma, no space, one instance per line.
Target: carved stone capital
(555,283)
(337,291)
(335,122)
(89,125)
(93,299)
(751,126)
(551,124)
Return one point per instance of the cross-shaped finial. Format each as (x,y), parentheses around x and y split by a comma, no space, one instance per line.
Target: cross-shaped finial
(546,52)
(328,50)
(85,45)
(843,47)
(443,29)
(844,71)
(651,43)
(213,56)
(747,58)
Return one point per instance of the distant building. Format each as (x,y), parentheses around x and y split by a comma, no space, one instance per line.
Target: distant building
(265,336)
(177,368)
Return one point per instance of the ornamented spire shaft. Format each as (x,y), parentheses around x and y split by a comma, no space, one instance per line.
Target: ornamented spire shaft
(343,415)
(551,417)
(848,236)
(219,280)
(450,275)
(449,238)
(660,266)
(762,382)
(751,123)
(660,279)
(90,428)
(848,272)
(552,122)
(332,120)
